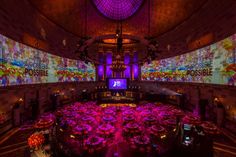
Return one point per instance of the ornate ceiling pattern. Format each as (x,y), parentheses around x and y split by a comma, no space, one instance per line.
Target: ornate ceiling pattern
(118,9)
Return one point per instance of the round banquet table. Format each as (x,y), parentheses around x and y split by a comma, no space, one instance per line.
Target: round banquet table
(157,130)
(176,112)
(108,119)
(191,119)
(141,140)
(165,116)
(88,119)
(45,126)
(128,119)
(44,123)
(48,115)
(91,113)
(170,123)
(69,122)
(132,129)
(69,114)
(210,128)
(81,131)
(141,144)
(109,112)
(150,120)
(106,130)
(81,110)
(59,113)
(167,108)
(94,143)
(146,112)
(71,108)
(128,113)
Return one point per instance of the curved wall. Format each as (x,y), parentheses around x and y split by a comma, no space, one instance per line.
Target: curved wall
(214,64)
(21,64)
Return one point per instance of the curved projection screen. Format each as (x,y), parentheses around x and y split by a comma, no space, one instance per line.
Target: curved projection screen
(213,64)
(21,64)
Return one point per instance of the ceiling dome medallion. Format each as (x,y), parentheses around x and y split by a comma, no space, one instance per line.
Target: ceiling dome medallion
(118,9)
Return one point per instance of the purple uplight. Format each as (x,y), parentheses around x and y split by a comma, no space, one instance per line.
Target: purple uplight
(108,72)
(100,72)
(135,71)
(135,67)
(108,64)
(118,9)
(127,62)
(127,72)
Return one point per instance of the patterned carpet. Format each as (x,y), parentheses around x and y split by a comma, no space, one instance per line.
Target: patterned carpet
(16,144)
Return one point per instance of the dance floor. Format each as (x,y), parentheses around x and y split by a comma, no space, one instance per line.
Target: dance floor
(88,129)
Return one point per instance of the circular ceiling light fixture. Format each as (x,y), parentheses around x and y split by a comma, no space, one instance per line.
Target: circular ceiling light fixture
(118,9)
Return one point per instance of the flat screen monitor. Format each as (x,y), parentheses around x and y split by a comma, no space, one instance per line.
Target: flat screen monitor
(117,84)
(187,127)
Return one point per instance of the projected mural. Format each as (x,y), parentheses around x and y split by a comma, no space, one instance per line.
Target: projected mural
(212,64)
(21,64)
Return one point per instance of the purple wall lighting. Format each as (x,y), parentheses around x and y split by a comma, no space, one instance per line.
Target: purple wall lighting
(135,71)
(127,72)
(100,72)
(100,67)
(108,64)
(135,67)
(127,58)
(108,72)
(127,62)
(118,9)
(109,58)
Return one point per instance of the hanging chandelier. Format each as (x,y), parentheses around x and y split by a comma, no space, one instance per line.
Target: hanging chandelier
(118,63)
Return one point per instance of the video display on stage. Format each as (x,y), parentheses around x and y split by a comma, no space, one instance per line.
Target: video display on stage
(21,64)
(117,84)
(213,64)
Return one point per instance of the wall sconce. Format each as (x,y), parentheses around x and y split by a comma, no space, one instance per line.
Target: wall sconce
(216,100)
(19,101)
(180,91)
(56,93)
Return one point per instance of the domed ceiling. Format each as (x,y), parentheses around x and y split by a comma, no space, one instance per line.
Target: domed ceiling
(118,9)
(58,26)
(82,17)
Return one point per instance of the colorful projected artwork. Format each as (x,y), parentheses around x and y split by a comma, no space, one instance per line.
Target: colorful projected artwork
(21,64)
(212,64)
